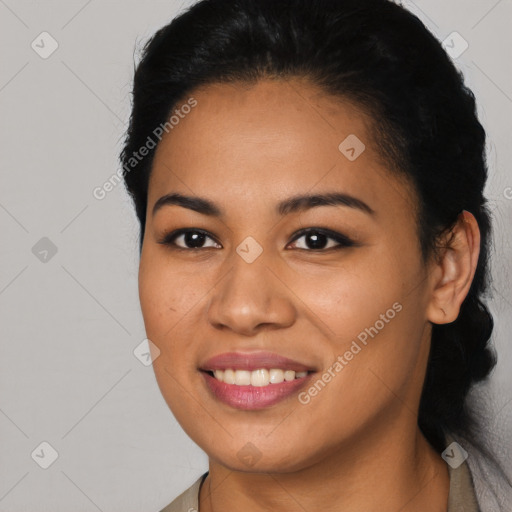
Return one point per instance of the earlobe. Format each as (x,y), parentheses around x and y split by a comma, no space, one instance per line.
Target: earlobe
(454,270)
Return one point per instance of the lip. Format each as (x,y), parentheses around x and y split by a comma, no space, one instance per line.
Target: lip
(253,397)
(253,361)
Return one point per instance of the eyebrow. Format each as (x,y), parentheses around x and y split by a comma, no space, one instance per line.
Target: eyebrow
(292,204)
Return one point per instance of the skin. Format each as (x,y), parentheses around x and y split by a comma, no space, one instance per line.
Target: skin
(356,445)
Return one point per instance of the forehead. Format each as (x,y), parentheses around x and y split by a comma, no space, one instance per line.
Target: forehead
(273,138)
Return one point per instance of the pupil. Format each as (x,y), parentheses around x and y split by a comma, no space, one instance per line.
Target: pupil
(194,239)
(317,241)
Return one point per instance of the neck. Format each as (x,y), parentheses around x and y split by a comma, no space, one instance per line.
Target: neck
(403,473)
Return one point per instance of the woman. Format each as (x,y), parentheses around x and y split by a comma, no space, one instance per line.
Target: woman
(309,181)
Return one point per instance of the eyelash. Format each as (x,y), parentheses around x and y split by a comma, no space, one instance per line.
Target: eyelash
(343,241)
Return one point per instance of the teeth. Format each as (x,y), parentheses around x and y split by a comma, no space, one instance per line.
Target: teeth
(276,376)
(289,375)
(242,377)
(229,377)
(259,378)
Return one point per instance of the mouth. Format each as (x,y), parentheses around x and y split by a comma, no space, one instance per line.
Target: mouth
(259,378)
(254,380)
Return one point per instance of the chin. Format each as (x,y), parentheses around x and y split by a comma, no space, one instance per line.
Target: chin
(264,465)
(260,457)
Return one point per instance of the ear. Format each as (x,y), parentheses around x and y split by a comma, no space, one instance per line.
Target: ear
(452,274)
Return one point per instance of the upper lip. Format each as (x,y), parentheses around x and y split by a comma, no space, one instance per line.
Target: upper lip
(253,361)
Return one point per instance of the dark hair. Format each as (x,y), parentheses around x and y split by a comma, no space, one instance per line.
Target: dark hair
(379,56)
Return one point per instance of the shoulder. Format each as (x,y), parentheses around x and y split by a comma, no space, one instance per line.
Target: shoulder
(480,477)
(462,496)
(188,500)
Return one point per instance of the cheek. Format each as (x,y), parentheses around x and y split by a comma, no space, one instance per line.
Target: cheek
(350,297)
(166,297)
(370,313)
(167,293)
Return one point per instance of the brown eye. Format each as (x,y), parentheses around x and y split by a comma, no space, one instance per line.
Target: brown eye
(189,239)
(316,239)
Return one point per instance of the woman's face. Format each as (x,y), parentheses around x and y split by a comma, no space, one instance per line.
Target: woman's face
(345,301)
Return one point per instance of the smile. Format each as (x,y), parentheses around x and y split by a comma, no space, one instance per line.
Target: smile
(259,378)
(254,380)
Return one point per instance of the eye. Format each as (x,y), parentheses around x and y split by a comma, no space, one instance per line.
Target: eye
(192,238)
(316,239)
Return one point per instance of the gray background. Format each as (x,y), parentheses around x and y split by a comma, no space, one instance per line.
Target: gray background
(70,321)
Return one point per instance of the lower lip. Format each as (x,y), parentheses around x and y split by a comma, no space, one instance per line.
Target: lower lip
(253,397)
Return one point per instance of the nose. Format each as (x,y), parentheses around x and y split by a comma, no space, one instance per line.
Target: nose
(251,298)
